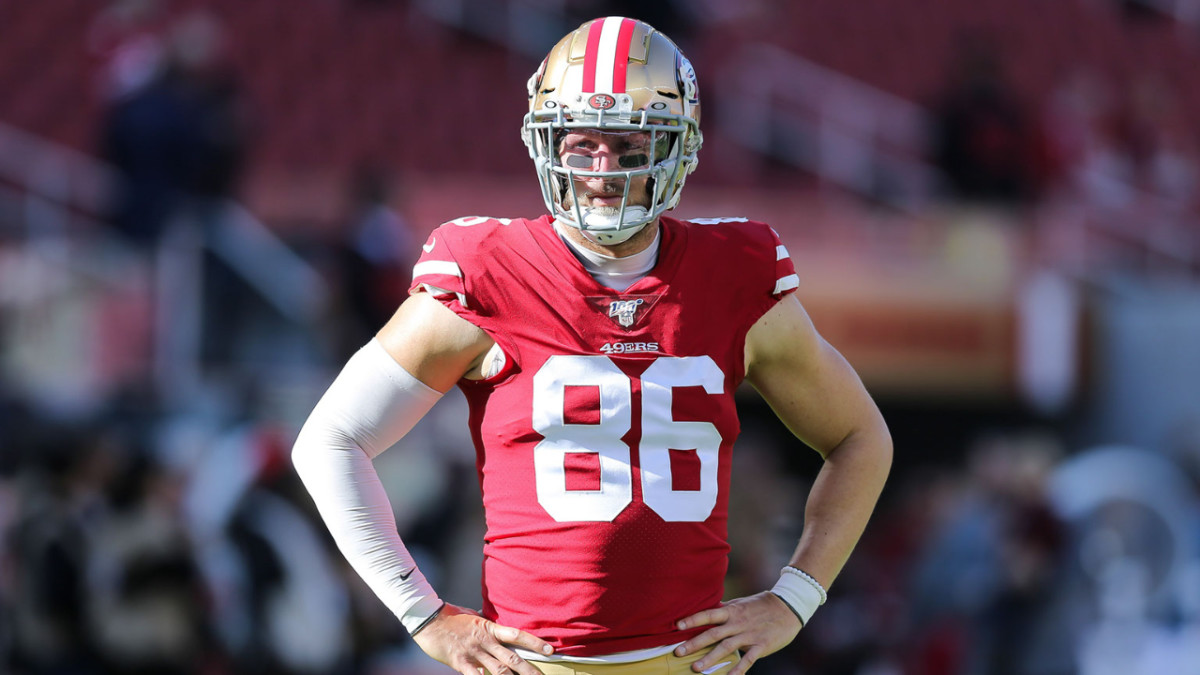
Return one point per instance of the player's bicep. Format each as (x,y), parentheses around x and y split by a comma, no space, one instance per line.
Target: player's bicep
(809,385)
(432,342)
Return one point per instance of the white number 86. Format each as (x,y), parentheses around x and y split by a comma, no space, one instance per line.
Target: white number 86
(660,434)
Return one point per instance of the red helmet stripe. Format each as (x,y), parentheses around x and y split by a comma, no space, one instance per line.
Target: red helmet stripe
(592,55)
(621,61)
(607,57)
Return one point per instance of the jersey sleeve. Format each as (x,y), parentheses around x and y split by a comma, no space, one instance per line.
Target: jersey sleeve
(786,279)
(437,271)
(454,269)
(770,273)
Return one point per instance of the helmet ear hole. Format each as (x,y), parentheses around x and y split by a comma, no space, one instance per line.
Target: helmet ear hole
(693,142)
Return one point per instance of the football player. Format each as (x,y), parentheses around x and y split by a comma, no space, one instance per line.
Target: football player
(599,347)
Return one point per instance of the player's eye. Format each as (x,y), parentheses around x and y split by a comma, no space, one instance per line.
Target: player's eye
(629,150)
(572,142)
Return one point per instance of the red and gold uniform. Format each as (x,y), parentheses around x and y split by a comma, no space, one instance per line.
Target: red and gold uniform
(603,445)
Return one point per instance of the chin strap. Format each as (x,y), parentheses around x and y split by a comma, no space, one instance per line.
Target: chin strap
(612,238)
(604,228)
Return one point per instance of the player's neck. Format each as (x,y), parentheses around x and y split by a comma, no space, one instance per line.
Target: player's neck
(636,244)
(617,273)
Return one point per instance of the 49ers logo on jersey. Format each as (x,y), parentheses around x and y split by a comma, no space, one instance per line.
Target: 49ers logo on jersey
(627,311)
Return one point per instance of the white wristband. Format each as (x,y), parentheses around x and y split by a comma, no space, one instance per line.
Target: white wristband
(800,592)
(419,615)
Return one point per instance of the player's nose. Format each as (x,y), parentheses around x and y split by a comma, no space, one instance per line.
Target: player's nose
(605,160)
(606,163)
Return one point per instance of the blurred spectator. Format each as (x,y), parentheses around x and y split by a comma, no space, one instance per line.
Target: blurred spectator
(146,137)
(981,141)
(147,600)
(1078,144)
(987,574)
(180,137)
(275,603)
(1158,140)
(60,496)
(376,256)
(180,143)
(220,123)
(1114,147)
(127,39)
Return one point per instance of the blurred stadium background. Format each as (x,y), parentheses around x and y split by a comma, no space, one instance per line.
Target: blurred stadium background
(206,206)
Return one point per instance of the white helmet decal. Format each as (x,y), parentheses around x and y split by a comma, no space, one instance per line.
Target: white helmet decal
(688,82)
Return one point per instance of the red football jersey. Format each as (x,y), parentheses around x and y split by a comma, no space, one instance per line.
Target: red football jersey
(603,446)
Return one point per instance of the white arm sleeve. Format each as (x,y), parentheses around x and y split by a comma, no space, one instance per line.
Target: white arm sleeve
(372,404)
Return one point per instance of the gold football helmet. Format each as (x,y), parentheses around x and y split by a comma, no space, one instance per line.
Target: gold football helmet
(614,75)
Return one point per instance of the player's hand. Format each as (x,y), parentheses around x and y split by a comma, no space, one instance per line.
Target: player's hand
(466,642)
(758,625)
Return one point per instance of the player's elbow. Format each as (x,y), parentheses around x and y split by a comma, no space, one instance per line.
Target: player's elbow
(878,447)
(885,450)
(869,448)
(315,448)
(305,451)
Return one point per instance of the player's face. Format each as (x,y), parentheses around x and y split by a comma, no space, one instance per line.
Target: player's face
(595,150)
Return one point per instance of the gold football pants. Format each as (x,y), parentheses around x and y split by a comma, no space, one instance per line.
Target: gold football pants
(667,664)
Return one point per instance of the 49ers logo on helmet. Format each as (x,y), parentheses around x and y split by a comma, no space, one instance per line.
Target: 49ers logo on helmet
(602,101)
(687,80)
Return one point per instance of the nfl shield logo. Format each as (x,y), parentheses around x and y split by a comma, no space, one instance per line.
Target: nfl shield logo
(625,311)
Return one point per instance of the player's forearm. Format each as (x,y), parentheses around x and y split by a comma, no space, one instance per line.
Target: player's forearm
(371,405)
(841,502)
(352,502)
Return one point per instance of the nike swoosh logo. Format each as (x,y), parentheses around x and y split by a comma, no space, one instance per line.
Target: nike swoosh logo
(406,575)
(429,247)
(715,668)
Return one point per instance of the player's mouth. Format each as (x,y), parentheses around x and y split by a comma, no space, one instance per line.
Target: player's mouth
(605,193)
(604,199)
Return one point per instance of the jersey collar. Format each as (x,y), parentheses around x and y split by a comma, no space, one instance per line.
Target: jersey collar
(672,246)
